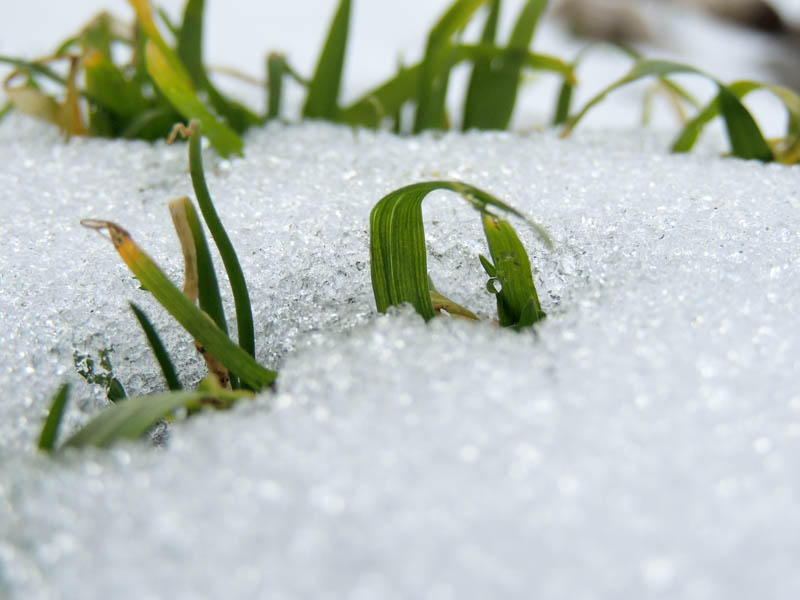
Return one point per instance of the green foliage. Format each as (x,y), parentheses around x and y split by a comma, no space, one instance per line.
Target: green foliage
(399,261)
(49,434)
(323,91)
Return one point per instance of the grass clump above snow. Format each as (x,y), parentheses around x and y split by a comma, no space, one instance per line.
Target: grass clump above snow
(165,81)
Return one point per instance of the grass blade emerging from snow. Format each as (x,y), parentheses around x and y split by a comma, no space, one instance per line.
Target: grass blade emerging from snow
(434,72)
(241,297)
(47,438)
(136,416)
(157,346)
(691,132)
(397,243)
(323,91)
(517,301)
(190,51)
(494,84)
(195,321)
(745,137)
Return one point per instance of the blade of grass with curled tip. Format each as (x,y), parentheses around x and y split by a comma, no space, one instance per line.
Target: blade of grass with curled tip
(494,83)
(398,260)
(241,297)
(434,72)
(743,133)
(136,416)
(323,92)
(517,301)
(195,321)
(157,346)
(49,434)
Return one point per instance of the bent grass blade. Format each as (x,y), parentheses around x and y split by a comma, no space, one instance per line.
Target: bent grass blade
(157,346)
(199,325)
(494,84)
(398,259)
(745,137)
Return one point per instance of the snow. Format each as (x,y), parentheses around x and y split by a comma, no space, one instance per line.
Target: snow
(640,443)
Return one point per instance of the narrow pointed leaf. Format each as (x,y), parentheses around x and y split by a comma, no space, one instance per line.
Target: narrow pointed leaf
(384,101)
(196,322)
(434,72)
(47,439)
(643,68)
(517,301)
(190,51)
(157,346)
(323,93)
(241,297)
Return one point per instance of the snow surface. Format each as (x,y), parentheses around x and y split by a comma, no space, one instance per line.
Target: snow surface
(641,443)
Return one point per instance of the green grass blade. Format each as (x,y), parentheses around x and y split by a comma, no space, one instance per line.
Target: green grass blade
(208,295)
(47,439)
(176,85)
(385,100)
(276,69)
(563,103)
(136,416)
(434,72)
(160,352)
(398,261)
(33,68)
(190,51)
(241,297)
(479,91)
(517,301)
(494,84)
(643,68)
(323,92)
(106,84)
(195,321)
(739,89)
(6,109)
(745,137)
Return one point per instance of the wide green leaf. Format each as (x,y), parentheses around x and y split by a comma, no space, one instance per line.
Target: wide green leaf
(323,92)
(397,242)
